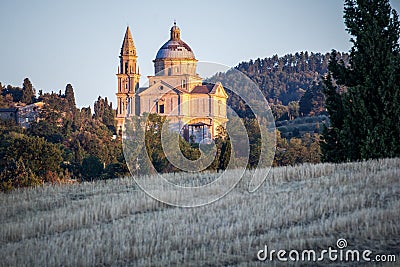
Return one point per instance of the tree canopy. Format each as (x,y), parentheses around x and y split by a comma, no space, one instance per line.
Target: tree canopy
(363,96)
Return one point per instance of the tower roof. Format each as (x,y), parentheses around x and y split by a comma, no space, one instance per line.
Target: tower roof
(128,47)
(175,48)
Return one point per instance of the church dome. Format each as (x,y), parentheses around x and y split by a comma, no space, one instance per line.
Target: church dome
(175,48)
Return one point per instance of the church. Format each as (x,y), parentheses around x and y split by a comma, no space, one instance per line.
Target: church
(193,107)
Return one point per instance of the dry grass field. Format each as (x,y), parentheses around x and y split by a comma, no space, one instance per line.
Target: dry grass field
(115,223)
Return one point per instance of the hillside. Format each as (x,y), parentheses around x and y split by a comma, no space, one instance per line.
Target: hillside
(286,78)
(114,223)
(291,83)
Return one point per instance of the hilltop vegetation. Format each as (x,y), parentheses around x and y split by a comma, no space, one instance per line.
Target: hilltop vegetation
(291,83)
(63,144)
(115,223)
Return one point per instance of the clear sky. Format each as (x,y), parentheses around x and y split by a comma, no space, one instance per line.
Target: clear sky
(58,42)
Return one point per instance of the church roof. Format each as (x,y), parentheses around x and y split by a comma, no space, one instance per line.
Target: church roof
(128,47)
(175,48)
(203,89)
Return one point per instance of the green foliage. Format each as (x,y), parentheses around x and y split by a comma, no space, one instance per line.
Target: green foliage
(104,112)
(27,161)
(70,96)
(279,111)
(254,134)
(15,174)
(49,131)
(37,154)
(8,126)
(366,115)
(153,143)
(3,103)
(28,94)
(301,125)
(12,94)
(65,140)
(293,110)
(297,150)
(332,147)
(156,154)
(223,155)
(281,80)
(313,101)
(92,168)
(115,170)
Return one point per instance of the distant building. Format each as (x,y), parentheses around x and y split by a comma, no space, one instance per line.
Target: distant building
(176,91)
(22,115)
(8,114)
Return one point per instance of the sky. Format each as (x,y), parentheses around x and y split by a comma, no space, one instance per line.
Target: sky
(54,43)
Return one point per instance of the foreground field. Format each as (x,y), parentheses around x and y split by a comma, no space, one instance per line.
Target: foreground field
(115,223)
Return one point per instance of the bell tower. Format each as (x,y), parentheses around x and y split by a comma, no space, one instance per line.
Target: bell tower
(128,80)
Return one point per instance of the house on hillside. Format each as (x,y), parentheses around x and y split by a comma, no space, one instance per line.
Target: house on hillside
(22,115)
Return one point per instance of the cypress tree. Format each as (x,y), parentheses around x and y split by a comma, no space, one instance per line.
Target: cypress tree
(28,93)
(365,118)
(70,96)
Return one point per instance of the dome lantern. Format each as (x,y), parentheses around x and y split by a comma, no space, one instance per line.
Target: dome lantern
(175,48)
(175,32)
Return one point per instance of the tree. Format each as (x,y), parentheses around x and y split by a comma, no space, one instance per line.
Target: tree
(254,134)
(293,110)
(296,152)
(282,146)
(116,170)
(223,155)
(49,131)
(37,154)
(153,143)
(313,101)
(3,104)
(332,147)
(92,168)
(279,111)
(366,116)
(28,93)
(104,112)
(70,96)
(16,174)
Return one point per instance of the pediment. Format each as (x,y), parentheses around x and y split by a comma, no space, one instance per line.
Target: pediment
(160,88)
(218,90)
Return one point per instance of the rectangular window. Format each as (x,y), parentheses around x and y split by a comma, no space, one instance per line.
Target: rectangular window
(161,109)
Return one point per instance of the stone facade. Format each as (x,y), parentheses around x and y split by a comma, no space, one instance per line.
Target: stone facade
(22,115)
(193,107)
